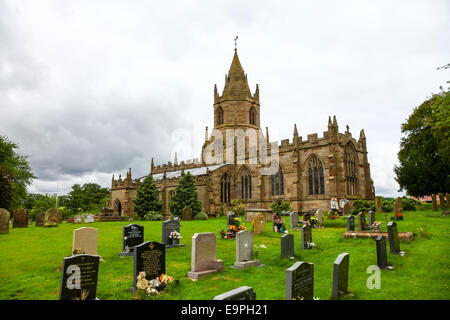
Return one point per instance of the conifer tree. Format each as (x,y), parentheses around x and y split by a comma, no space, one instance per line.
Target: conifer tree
(185,195)
(147,199)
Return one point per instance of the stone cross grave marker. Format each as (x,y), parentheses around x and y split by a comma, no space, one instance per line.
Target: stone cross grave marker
(4,220)
(85,241)
(79,277)
(340,275)
(186,214)
(244,250)
(203,256)
(300,281)
(20,218)
(287,246)
(394,241)
(306,237)
(149,257)
(351,223)
(241,293)
(133,234)
(293,216)
(259,223)
(167,227)
(371,218)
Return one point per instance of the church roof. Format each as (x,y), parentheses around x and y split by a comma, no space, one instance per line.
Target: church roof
(195,172)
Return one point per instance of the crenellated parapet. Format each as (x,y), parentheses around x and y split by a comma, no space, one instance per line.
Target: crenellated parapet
(128,182)
(183,165)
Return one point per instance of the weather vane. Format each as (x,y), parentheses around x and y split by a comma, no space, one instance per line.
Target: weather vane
(235,39)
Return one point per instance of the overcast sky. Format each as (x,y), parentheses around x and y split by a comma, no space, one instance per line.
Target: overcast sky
(91,88)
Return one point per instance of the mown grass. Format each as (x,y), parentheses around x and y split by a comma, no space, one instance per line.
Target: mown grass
(31,258)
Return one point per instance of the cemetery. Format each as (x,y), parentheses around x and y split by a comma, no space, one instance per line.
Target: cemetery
(115,259)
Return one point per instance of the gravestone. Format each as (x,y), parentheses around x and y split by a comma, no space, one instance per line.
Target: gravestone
(433,202)
(320,216)
(442,201)
(300,281)
(371,218)
(133,234)
(78,219)
(85,241)
(340,275)
(203,256)
(259,223)
(186,214)
(347,209)
(51,218)
(20,218)
(293,216)
(241,293)
(381,252)
(306,237)
(350,223)
(167,227)
(244,250)
(4,220)
(378,206)
(394,241)
(79,277)
(362,221)
(89,218)
(149,257)
(287,246)
(40,218)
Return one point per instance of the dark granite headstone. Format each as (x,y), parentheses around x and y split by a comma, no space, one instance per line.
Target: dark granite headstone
(300,281)
(394,242)
(133,234)
(287,246)
(381,252)
(150,257)
(350,223)
(306,237)
(241,293)
(40,219)
(79,277)
(167,227)
(20,218)
(340,275)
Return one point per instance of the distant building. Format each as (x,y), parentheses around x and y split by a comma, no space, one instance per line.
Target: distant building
(310,171)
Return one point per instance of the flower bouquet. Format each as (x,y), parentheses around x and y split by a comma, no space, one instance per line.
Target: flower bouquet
(155,286)
(175,237)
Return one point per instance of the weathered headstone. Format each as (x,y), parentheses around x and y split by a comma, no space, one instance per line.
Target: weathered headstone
(394,241)
(433,202)
(320,216)
(293,216)
(20,218)
(259,223)
(371,218)
(300,281)
(203,257)
(51,218)
(241,293)
(4,220)
(244,250)
(149,257)
(378,205)
(40,218)
(381,252)
(347,209)
(85,241)
(306,237)
(362,225)
(79,277)
(340,275)
(442,201)
(287,246)
(78,219)
(133,234)
(169,226)
(186,214)
(351,223)
(89,218)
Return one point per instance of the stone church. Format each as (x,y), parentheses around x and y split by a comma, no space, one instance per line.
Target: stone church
(240,162)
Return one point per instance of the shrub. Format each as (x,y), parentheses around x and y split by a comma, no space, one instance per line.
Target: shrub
(387,206)
(200,216)
(280,206)
(155,217)
(185,195)
(147,199)
(237,207)
(409,204)
(363,206)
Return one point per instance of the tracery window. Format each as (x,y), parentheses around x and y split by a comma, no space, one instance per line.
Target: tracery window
(246,184)
(316,176)
(225,188)
(278,183)
(350,167)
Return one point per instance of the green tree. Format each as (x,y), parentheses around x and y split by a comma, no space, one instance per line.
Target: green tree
(15,175)
(147,198)
(424,154)
(185,195)
(89,198)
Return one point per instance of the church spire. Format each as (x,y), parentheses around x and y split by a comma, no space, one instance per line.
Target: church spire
(236,84)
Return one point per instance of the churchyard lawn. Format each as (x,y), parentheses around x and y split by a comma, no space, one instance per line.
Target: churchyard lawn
(31,260)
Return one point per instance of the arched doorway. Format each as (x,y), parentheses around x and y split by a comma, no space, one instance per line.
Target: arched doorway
(118,207)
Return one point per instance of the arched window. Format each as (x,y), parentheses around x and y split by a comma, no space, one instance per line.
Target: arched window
(350,166)
(219,115)
(252,116)
(246,184)
(225,189)
(315,176)
(171,194)
(278,183)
